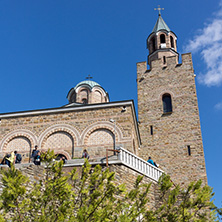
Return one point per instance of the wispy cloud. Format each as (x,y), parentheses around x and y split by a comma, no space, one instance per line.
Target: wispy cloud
(218,106)
(208,41)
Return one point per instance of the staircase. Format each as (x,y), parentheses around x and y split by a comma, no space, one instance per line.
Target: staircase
(134,162)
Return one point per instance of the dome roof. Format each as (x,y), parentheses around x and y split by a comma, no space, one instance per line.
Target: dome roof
(87,82)
(88,92)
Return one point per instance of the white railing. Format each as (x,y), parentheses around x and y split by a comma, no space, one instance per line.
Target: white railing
(138,164)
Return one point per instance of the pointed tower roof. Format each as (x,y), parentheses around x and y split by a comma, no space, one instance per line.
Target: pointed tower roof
(160,24)
(161,43)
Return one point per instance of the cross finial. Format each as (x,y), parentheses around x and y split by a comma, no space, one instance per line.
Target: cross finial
(89,77)
(159,9)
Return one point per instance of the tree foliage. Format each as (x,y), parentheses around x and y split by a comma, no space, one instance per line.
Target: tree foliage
(178,204)
(93,195)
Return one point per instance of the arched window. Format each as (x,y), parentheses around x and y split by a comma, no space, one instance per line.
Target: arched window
(72,98)
(162,38)
(97,97)
(60,157)
(153,44)
(171,42)
(167,103)
(83,96)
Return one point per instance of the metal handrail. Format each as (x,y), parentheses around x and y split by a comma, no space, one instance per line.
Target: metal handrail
(107,154)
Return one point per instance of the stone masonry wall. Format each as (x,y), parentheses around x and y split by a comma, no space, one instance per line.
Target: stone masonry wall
(33,172)
(172,132)
(128,176)
(123,174)
(70,132)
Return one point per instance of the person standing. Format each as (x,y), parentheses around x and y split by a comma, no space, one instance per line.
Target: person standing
(37,159)
(34,152)
(85,154)
(18,157)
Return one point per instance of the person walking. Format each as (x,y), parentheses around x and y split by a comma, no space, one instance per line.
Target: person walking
(151,162)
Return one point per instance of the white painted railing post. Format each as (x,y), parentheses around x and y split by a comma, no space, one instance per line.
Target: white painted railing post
(139,164)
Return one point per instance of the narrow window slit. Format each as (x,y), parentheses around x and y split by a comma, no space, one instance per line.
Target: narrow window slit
(189,150)
(151,130)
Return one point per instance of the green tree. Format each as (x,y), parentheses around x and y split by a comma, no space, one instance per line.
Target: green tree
(14,196)
(179,204)
(91,194)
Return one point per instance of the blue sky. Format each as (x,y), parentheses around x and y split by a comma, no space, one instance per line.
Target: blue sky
(47,47)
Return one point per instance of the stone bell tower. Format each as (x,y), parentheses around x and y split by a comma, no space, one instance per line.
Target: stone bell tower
(162,42)
(168,109)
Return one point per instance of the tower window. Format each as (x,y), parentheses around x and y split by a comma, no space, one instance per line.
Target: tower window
(189,150)
(162,38)
(171,42)
(151,130)
(167,103)
(153,45)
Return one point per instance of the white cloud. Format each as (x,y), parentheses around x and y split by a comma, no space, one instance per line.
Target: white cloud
(218,106)
(208,41)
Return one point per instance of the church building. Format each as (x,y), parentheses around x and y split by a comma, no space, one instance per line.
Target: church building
(167,127)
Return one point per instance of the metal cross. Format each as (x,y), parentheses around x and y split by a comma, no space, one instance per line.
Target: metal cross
(159,9)
(89,77)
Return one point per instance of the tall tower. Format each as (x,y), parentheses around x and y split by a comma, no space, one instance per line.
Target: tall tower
(168,110)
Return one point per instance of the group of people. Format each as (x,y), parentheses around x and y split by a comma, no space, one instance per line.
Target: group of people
(15,158)
(12,158)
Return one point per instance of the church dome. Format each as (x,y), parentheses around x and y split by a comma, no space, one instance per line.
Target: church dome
(88,92)
(87,82)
